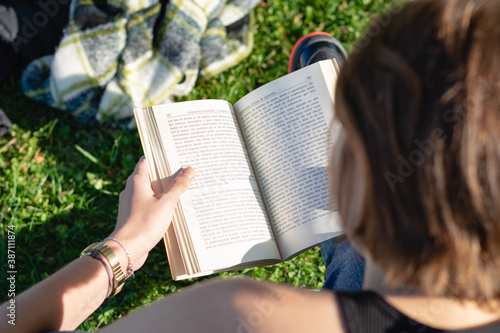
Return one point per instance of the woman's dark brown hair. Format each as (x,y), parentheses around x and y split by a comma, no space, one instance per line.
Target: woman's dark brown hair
(419,101)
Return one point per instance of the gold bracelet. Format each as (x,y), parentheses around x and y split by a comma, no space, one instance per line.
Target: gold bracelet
(112,259)
(130,265)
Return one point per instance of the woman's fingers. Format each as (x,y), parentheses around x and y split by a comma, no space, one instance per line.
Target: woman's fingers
(140,179)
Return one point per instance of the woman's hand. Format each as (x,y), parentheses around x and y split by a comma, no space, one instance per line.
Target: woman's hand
(143,218)
(75,291)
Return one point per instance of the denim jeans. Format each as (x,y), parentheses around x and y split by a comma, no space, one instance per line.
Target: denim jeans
(345,266)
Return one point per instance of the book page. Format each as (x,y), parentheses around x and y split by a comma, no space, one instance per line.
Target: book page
(226,217)
(285,124)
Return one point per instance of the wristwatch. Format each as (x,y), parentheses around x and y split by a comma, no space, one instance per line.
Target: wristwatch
(118,275)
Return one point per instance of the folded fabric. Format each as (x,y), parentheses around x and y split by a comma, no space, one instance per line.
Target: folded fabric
(119,54)
(29,30)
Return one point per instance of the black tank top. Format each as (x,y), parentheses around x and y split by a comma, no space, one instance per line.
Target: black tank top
(367,312)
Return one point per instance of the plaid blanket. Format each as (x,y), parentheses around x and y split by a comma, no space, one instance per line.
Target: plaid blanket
(119,54)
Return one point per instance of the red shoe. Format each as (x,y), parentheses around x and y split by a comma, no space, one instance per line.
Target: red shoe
(314,47)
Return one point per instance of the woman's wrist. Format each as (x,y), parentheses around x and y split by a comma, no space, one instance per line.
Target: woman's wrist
(105,254)
(101,277)
(129,269)
(118,251)
(136,247)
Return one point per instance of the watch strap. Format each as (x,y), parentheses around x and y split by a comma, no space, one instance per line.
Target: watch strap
(118,277)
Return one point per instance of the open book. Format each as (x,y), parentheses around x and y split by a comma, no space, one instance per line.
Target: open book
(260,195)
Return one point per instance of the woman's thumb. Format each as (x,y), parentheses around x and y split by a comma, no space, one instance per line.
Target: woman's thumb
(181,182)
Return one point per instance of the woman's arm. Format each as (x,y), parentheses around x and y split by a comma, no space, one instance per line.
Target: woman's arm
(239,306)
(62,301)
(65,299)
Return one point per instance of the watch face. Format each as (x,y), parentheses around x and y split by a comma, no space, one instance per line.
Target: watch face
(87,251)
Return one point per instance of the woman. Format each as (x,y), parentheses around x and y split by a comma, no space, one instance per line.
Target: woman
(416,179)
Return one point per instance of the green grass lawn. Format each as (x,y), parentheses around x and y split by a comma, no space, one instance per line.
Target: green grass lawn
(60,180)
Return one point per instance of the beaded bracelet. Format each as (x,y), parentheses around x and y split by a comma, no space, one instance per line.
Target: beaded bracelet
(130,265)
